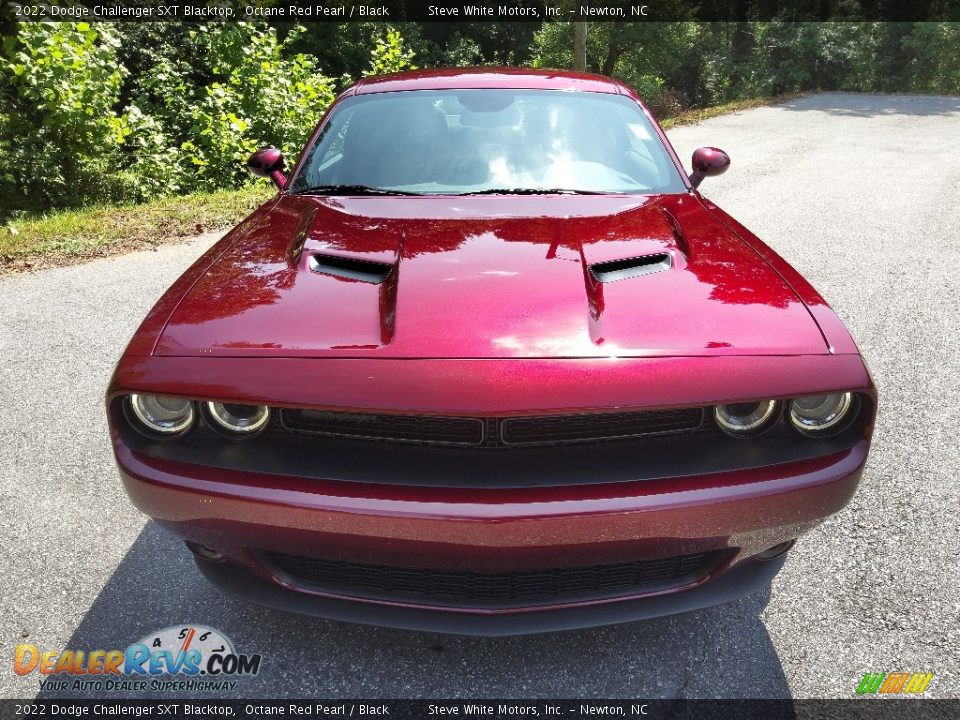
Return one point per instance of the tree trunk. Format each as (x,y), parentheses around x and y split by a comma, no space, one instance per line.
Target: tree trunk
(613,54)
(579,46)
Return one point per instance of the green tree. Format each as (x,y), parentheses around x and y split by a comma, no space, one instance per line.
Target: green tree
(61,132)
(640,54)
(934,64)
(129,111)
(260,98)
(389,54)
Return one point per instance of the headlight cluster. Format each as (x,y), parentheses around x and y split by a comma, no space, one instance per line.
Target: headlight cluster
(813,415)
(162,416)
(821,414)
(747,419)
(237,419)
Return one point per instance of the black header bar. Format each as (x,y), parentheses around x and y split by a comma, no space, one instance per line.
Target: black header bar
(337,11)
(175,707)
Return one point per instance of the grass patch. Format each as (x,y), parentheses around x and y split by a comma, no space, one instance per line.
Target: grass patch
(71,236)
(691,117)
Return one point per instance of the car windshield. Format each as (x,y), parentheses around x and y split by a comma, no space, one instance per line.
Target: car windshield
(487,141)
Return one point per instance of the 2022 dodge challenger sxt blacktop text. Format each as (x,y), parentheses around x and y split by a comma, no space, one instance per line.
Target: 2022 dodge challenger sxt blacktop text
(489,363)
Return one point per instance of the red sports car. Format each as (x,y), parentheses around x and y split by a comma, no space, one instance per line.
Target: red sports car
(488,363)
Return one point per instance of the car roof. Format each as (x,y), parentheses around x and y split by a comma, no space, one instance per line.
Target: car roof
(488,77)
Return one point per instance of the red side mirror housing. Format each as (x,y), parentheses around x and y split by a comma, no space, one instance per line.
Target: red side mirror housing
(707,162)
(268,163)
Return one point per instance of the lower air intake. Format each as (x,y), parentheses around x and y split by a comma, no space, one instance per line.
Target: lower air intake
(473,589)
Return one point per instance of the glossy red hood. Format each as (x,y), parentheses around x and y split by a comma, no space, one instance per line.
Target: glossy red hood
(487,277)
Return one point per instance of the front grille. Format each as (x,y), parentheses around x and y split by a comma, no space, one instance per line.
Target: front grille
(403,428)
(492,433)
(605,426)
(472,589)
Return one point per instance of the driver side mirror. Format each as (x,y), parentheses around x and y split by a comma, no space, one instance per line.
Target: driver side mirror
(708,162)
(268,163)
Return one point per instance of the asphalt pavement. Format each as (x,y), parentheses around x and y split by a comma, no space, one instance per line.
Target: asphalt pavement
(860,193)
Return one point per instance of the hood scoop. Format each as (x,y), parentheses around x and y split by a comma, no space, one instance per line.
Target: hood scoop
(350,268)
(630,267)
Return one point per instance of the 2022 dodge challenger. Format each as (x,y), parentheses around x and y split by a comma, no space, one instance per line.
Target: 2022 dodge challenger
(488,363)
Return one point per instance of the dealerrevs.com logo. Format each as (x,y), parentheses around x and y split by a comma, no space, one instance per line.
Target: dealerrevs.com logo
(196,657)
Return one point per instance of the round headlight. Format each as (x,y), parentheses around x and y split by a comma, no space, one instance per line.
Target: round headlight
(238,419)
(821,414)
(162,415)
(746,419)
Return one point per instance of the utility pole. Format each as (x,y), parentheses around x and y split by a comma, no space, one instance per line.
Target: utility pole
(579,46)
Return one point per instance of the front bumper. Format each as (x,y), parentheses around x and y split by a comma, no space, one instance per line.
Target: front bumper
(244,516)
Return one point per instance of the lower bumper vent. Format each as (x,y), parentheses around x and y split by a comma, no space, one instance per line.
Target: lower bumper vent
(472,589)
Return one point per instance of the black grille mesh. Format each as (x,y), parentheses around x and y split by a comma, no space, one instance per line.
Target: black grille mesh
(448,587)
(372,426)
(581,428)
(493,432)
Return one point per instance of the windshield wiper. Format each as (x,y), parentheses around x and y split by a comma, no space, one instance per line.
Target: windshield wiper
(534,191)
(351,190)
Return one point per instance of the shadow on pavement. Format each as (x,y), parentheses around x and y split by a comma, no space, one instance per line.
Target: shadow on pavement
(868,106)
(720,652)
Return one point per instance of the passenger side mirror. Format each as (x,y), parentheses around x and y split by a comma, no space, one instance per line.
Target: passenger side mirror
(708,162)
(268,163)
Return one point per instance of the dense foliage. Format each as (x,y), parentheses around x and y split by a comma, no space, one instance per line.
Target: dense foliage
(61,134)
(681,65)
(105,113)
